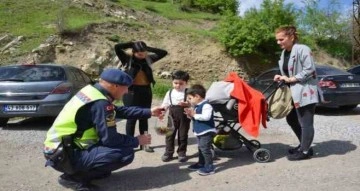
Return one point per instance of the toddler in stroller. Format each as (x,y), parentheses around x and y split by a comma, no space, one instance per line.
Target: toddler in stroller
(237,106)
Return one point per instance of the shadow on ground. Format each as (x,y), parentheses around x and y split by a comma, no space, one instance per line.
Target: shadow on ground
(337,111)
(33,123)
(145,178)
(321,149)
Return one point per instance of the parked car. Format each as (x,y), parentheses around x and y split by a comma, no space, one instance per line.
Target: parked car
(37,90)
(340,89)
(354,70)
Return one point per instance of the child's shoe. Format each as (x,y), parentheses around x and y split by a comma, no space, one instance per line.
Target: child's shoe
(195,166)
(182,158)
(166,158)
(206,170)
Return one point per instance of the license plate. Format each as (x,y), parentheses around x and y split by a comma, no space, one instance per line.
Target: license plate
(15,108)
(350,85)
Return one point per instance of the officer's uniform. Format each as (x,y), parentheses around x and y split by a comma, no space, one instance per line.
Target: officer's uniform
(89,117)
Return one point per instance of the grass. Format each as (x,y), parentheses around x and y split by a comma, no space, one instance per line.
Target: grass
(196,34)
(36,20)
(168,10)
(161,87)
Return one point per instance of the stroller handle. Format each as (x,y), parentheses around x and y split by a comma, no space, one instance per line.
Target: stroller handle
(279,85)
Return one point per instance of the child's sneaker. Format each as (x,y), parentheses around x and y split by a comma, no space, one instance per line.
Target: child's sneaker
(182,158)
(166,158)
(195,166)
(206,170)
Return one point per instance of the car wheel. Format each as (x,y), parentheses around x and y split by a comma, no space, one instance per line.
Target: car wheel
(348,107)
(3,121)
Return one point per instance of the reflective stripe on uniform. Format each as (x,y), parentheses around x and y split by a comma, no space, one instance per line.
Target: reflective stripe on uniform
(65,122)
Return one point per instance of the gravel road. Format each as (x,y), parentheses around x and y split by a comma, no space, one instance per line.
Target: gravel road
(335,166)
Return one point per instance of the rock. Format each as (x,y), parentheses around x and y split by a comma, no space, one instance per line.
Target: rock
(165,75)
(14,42)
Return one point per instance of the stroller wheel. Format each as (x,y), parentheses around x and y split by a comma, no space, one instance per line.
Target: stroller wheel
(261,155)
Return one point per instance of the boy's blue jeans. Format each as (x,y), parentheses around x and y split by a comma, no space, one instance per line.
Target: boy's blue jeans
(204,145)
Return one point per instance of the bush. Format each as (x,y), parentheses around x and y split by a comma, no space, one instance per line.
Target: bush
(336,48)
(161,87)
(254,32)
(161,1)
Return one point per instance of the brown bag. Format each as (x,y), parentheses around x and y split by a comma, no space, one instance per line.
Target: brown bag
(280,103)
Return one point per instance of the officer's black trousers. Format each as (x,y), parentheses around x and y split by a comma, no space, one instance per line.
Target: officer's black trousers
(99,160)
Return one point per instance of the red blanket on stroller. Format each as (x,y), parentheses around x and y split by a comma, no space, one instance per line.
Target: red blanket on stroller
(252,106)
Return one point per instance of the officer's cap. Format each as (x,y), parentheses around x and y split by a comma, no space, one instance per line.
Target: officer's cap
(116,76)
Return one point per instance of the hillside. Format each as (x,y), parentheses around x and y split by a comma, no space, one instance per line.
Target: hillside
(91,48)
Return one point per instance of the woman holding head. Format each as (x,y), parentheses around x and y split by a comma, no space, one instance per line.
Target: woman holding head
(138,66)
(297,69)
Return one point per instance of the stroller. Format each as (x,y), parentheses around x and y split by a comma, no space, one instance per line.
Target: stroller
(228,124)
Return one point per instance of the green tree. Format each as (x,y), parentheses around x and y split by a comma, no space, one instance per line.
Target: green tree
(213,6)
(329,28)
(217,6)
(254,32)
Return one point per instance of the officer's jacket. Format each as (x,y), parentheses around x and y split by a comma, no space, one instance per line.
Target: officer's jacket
(90,117)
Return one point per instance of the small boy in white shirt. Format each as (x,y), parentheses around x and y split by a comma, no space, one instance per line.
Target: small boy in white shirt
(175,101)
(202,115)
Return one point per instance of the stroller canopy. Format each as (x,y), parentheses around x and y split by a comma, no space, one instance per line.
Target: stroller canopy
(252,106)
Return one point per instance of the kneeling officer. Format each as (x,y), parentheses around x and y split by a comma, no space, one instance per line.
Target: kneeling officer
(83,142)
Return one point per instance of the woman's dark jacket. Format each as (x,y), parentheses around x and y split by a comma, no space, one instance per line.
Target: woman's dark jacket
(133,65)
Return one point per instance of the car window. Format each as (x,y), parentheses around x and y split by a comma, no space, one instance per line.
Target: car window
(86,78)
(355,70)
(267,76)
(330,71)
(32,73)
(80,76)
(77,75)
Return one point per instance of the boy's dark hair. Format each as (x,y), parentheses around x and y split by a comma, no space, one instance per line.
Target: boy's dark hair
(197,89)
(180,75)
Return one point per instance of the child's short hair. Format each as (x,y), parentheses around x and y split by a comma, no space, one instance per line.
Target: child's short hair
(197,89)
(180,75)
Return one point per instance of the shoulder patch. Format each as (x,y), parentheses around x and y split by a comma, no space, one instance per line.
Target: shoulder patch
(109,107)
(110,120)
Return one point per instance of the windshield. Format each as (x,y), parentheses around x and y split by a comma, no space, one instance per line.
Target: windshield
(33,73)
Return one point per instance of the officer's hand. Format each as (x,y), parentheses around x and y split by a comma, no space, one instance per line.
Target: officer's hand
(158,111)
(144,139)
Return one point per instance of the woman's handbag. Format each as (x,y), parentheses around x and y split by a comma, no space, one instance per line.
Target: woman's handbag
(280,103)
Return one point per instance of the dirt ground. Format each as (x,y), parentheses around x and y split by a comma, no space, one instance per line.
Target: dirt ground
(335,165)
